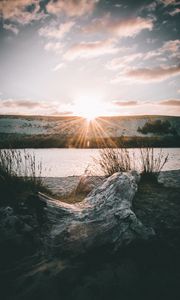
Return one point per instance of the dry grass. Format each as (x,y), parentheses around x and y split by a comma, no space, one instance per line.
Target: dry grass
(20,174)
(16,163)
(113,160)
(152,163)
(149,162)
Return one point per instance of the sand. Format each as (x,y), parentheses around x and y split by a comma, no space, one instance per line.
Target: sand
(64,185)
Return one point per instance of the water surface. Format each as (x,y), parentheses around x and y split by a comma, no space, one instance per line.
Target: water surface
(69,162)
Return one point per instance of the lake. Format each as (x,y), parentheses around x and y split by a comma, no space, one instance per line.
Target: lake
(69,162)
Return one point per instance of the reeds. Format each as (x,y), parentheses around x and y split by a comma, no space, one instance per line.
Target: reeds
(148,162)
(152,163)
(19,166)
(112,160)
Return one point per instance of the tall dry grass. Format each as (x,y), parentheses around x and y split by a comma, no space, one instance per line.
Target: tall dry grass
(19,171)
(152,163)
(149,163)
(112,160)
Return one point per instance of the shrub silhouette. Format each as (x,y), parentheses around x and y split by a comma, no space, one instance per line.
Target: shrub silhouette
(157,127)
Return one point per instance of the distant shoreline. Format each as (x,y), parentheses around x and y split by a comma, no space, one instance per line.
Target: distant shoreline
(43,141)
(77,132)
(79,117)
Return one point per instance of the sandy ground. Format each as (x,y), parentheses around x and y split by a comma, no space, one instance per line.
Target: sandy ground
(63,185)
(158,206)
(142,271)
(170,178)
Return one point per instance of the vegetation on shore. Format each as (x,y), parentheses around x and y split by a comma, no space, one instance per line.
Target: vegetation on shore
(158,127)
(112,160)
(20,173)
(20,176)
(20,141)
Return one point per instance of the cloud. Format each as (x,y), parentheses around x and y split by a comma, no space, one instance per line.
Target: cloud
(175,11)
(15,106)
(125,103)
(71,7)
(169,2)
(169,50)
(56,32)
(10,103)
(91,49)
(122,28)
(62,113)
(168,102)
(133,107)
(118,63)
(175,102)
(11,27)
(150,7)
(55,47)
(171,46)
(58,67)
(16,10)
(154,74)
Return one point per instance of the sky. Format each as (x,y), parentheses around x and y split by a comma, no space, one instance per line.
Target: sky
(97,57)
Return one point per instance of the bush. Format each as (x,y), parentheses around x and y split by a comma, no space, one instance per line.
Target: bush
(157,126)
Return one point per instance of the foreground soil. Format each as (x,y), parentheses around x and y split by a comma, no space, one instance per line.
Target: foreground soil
(142,271)
(158,206)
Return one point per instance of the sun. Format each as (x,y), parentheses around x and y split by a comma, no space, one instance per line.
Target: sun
(89,116)
(88,108)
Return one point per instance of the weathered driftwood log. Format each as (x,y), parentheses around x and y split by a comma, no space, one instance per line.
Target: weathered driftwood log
(103,217)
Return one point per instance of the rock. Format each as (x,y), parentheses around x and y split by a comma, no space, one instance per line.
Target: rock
(104,217)
(11,224)
(19,234)
(7,211)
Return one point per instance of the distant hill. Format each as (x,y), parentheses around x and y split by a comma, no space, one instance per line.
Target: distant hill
(65,131)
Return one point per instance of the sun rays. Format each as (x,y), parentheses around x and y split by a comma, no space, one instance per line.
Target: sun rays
(90,133)
(87,128)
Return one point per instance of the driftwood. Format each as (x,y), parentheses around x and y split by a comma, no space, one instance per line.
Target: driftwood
(103,217)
